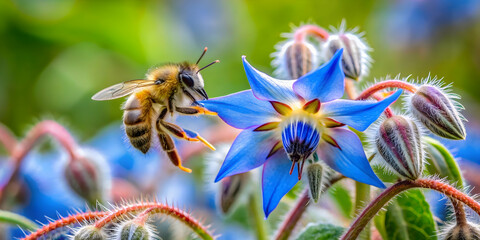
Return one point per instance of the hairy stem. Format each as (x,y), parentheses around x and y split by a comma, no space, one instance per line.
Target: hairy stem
(386,84)
(460,215)
(257,216)
(155,207)
(43,128)
(292,218)
(303,31)
(372,209)
(63,222)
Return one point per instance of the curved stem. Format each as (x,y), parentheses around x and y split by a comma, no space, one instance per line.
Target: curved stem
(372,209)
(386,84)
(7,139)
(296,213)
(303,31)
(155,207)
(43,128)
(63,222)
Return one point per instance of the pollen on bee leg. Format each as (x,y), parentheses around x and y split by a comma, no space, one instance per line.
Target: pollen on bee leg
(204,141)
(177,161)
(202,110)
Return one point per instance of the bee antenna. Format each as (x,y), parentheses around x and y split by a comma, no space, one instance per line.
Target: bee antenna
(210,64)
(201,56)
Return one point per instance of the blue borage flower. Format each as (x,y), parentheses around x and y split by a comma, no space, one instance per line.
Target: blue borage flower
(285,121)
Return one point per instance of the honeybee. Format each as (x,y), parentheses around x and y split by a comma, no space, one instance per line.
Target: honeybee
(168,89)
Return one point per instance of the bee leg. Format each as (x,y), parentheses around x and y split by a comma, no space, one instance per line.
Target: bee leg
(170,105)
(184,134)
(194,110)
(169,147)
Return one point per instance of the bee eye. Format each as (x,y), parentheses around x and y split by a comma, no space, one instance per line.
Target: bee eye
(187,79)
(159,81)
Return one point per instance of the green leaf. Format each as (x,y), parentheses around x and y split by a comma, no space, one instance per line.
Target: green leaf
(409,218)
(342,199)
(441,162)
(17,220)
(320,231)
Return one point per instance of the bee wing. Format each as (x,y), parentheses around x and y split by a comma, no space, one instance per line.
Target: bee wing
(122,89)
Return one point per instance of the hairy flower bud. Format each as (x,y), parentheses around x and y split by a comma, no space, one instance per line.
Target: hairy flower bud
(87,176)
(355,59)
(398,143)
(463,232)
(230,190)
(133,230)
(89,233)
(315,180)
(437,112)
(294,59)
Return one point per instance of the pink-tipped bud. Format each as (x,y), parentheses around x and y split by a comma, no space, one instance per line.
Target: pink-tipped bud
(295,59)
(436,111)
(88,176)
(134,230)
(465,231)
(355,59)
(230,191)
(398,143)
(89,233)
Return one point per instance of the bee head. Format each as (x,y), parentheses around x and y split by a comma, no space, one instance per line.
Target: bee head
(192,83)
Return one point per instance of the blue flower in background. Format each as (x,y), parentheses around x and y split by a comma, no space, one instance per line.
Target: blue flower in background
(286,121)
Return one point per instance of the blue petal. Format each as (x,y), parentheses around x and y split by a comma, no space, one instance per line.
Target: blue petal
(268,88)
(242,109)
(358,114)
(349,159)
(276,180)
(249,150)
(326,83)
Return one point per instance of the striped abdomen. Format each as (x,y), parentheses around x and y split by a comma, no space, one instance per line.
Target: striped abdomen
(138,119)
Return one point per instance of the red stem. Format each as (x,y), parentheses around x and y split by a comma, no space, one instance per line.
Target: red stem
(372,209)
(386,84)
(43,128)
(154,207)
(63,222)
(305,30)
(7,139)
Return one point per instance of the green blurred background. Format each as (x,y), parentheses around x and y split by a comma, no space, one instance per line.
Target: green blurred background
(55,54)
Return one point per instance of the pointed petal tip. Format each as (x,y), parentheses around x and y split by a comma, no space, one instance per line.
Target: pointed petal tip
(219,177)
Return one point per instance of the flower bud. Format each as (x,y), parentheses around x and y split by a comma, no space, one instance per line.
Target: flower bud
(89,233)
(87,176)
(133,230)
(230,190)
(435,110)
(315,180)
(355,59)
(463,232)
(294,59)
(398,143)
